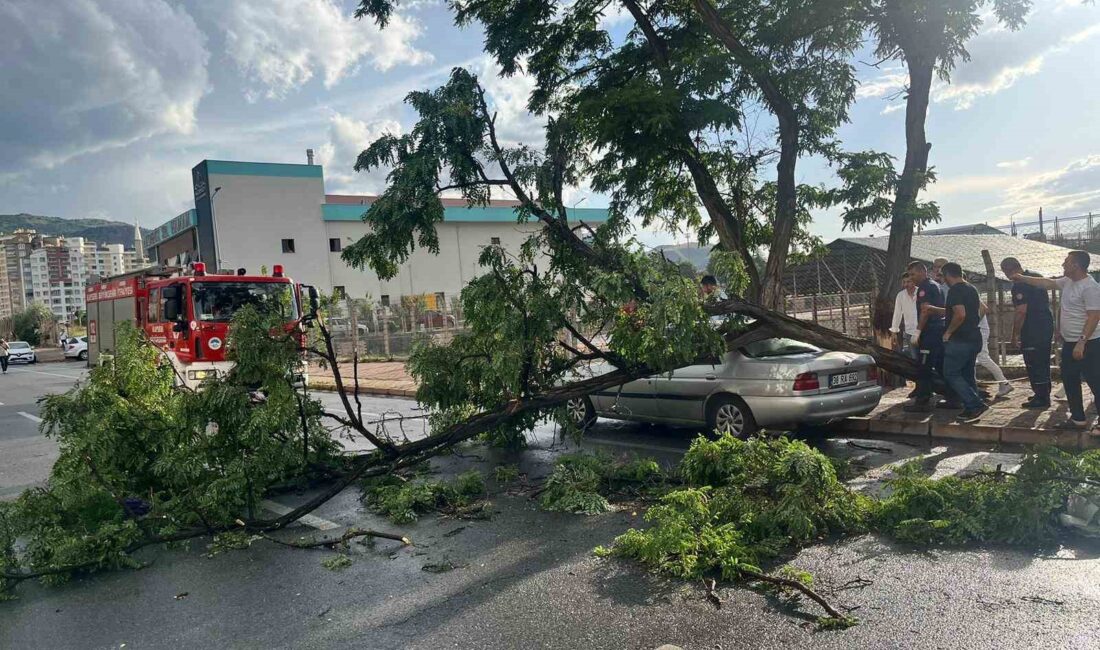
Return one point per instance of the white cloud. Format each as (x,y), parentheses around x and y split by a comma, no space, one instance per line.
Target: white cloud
(507,96)
(1070,190)
(347,137)
(1015,164)
(279,45)
(88,75)
(1000,58)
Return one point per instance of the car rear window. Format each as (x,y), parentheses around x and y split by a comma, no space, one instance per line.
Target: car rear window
(777,348)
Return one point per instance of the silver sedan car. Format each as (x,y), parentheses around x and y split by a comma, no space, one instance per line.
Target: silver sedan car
(773,383)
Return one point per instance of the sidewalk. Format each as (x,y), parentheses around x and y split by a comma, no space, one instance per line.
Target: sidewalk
(1006,422)
(375,378)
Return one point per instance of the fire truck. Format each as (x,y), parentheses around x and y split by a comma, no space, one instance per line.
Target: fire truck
(187,313)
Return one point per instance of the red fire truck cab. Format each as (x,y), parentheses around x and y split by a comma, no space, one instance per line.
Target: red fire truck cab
(187,315)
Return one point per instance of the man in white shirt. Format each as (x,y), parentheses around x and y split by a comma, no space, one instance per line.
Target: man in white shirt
(1080,314)
(905,312)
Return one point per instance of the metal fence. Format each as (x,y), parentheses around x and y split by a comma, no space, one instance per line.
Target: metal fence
(849,313)
(389,331)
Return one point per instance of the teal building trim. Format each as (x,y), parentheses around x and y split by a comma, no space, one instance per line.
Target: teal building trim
(234,168)
(343,212)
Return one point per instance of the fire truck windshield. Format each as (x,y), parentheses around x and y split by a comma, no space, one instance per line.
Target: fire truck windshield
(216,302)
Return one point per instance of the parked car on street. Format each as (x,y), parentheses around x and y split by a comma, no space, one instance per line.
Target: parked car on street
(773,383)
(21,351)
(76,348)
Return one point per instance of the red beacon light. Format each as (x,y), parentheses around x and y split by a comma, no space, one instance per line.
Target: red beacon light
(200,268)
(277,271)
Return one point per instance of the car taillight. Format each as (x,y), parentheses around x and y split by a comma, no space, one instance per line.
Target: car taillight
(807,381)
(872,373)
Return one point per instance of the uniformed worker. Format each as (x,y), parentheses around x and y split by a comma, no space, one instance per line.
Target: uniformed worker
(1032,331)
(928,338)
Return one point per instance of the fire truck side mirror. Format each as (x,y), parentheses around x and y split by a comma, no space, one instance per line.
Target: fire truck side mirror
(314,302)
(171,296)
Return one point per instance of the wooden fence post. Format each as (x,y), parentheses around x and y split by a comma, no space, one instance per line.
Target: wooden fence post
(991,302)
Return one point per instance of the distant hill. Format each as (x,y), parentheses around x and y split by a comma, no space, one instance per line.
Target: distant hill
(100,231)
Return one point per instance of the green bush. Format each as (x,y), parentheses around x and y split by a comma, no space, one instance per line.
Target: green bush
(746,501)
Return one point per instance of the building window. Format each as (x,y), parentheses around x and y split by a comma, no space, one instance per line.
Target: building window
(385,300)
(339,293)
(288,245)
(495,241)
(334,245)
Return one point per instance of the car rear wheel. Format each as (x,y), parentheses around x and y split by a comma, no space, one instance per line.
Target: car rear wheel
(581,412)
(729,414)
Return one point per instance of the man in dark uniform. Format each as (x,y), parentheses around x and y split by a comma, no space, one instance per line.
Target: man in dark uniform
(929,337)
(1032,331)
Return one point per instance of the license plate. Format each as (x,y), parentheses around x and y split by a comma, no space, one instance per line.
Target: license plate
(846,379)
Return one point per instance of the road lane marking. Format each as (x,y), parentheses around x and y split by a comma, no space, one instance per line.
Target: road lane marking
(32,418)
(40,372)
(309,520)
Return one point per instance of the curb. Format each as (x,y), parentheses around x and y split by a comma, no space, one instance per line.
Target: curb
(928,428)
(330,387)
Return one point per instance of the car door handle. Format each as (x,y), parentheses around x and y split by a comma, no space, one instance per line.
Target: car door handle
(709,377)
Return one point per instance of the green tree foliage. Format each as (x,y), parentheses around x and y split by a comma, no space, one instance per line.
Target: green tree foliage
(142,460)
(30,324)
(527,314)
(669,109)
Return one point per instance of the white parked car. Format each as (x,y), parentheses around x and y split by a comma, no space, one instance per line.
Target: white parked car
(77,348)
(774,383)
(22,352)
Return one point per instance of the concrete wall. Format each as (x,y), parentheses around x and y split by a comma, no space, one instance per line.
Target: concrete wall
(254,213)
(460,245)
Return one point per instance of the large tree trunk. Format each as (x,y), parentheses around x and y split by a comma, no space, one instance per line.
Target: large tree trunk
(898,250)
(786,210)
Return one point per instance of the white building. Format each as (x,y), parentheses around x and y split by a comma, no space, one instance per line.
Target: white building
(60,270)
(255,215)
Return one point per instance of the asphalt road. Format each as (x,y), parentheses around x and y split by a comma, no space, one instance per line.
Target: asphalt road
(528,579)
(26,456)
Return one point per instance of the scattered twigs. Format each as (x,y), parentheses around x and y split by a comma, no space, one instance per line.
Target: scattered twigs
(352,533)
(884,450)
(797,586)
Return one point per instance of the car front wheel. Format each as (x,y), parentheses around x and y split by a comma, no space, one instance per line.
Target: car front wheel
(83,356)
(729,414)
(581,412)
(34,359)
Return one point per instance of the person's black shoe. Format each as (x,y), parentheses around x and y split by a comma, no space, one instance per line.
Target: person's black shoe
(968,416)
(912,394)
(919,406)
(1036,403)
(948,404)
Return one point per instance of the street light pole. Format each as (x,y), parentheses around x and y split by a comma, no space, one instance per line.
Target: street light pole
(214,222)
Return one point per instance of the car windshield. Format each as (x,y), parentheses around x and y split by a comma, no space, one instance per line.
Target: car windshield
(217,302)
(777,348)
(19,345)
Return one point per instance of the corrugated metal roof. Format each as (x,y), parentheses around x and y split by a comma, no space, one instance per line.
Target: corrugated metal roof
(966,250)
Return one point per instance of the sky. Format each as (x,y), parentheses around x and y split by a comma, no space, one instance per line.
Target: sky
(110,103)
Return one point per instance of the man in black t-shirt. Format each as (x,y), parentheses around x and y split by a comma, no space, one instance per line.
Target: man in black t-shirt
(962,342)
(928,337)
(1032,331)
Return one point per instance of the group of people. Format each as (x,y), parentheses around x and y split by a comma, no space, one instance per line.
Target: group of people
(947,333)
